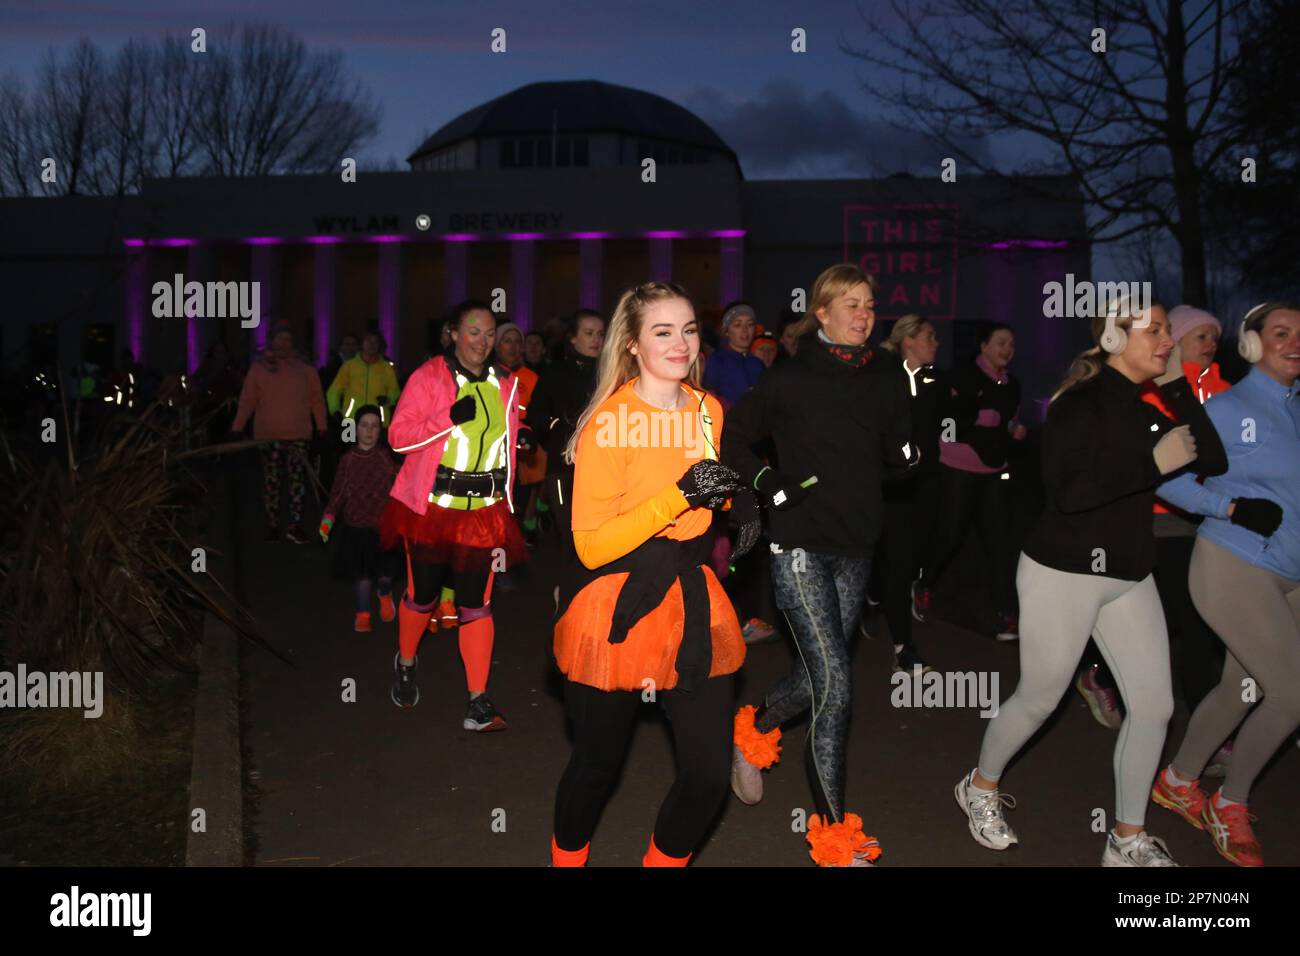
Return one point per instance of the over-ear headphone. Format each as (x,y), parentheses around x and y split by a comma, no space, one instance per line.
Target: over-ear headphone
(1114,339)
(1249,345)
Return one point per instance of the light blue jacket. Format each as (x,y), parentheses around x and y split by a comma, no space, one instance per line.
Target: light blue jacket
(1258,420)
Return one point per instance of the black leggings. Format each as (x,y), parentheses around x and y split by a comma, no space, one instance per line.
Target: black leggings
(966,496)
(701,721)
(428,580)
(910,515)
(1197,650)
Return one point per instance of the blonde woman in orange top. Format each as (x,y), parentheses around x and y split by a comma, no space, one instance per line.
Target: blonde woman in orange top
(641,616)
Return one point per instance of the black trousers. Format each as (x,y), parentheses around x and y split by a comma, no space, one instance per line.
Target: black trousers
(911,513)
(967,498)
(701,721)
(428,580)
(1197,650)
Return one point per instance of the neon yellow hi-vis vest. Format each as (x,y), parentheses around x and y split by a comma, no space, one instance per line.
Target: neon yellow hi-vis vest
(359,383)
(480,443)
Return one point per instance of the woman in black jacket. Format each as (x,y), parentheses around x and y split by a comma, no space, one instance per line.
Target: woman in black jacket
(839,421)
(1086,569)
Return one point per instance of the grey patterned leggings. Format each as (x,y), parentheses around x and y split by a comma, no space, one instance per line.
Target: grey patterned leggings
(821,596)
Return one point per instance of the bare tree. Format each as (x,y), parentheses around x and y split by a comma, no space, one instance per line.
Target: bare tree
(19,166)
(129,99)
(1137,113)
(66,118)
(272,107)
(179,104)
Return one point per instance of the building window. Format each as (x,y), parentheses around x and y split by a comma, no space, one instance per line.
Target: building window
(525,152)
(508,153)
(580,151)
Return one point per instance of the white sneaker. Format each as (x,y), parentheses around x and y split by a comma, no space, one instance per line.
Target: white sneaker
(746,779)
(983,809)
(1142,850)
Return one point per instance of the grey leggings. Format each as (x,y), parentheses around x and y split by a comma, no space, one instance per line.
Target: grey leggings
(1257,614)
(1059,611)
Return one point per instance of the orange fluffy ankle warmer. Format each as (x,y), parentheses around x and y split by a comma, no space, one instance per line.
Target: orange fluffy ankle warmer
(657,857)
(760,749)
(568,857)
(835,844)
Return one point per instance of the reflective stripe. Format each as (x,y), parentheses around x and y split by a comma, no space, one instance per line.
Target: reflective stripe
(420,444)
(351,404)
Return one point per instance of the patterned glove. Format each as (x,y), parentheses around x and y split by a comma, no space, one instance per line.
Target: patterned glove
(708,484)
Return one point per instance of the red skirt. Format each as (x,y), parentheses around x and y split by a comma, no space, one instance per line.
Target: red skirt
(474,541)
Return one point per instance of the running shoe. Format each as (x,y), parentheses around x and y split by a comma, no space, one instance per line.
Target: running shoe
(746,779)
(983,809)
(1008,628)
(907,661)
(1188,801)
(361,624)
(387,610)
(862,856)
(1229,827)
(405,693)
(1142,850)
(1101,700)
(447,617)
(757,631)
(293,534)
(921,601)
(1219,762)
(481,716)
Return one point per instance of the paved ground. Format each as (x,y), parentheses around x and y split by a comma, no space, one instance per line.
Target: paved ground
(368,784)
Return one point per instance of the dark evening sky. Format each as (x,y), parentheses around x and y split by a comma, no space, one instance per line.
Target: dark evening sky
(786,114)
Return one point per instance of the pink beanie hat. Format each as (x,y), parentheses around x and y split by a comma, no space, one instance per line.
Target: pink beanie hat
(1185,318)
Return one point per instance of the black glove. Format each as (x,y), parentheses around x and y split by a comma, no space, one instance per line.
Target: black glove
(744,516)
(708,484)
(778,491)
(525,441)
(1257,514)
(464,410)
(381,400)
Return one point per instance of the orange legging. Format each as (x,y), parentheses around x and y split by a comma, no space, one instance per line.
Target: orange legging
(476,634)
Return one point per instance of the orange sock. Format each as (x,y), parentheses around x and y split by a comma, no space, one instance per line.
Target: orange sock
(410,628)
(568,857)
(657,857)
(476,651)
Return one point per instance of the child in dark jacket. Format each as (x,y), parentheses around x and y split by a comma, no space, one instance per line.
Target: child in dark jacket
(361,485)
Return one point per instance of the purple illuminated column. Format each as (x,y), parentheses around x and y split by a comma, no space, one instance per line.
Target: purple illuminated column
(455,270)
(325,265)
(198,331)
(137,299)
(731,250)
(390,295)
(523,260)
(591,259)
(661,259)
(263,261)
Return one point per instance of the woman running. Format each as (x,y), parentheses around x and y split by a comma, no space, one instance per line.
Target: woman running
(1086,570)
(911,503)
(840,423)
(643,617)
(450,509)
(984,402)
(1245,581)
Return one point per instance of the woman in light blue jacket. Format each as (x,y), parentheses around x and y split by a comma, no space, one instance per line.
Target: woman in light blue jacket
(1245,582)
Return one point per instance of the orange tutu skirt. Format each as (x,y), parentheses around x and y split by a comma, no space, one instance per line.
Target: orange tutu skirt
(467,541)
(585,655)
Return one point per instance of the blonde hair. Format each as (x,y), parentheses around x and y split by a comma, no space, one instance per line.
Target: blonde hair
(909,326)
(836,281)
(616,365)
(1087,364)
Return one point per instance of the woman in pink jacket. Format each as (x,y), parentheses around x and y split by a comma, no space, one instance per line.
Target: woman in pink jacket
(457,423)
(283,396)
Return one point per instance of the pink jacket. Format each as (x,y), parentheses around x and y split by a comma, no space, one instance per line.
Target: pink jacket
(284,397)
(422,422)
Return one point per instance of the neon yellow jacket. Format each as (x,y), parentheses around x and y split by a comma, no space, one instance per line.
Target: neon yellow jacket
(362,383)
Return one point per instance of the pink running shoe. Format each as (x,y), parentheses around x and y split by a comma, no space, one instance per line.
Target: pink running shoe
(1102,701)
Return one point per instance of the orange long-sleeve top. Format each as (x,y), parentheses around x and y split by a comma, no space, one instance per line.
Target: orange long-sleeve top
(629,459)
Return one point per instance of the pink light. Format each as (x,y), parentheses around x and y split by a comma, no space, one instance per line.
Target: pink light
(1026,244)
(589,235)
(664,234)
(522,236)
(324,240)
(173,242)
(386,239)
(133,243)
(459,237)
(264,240)
(728,234)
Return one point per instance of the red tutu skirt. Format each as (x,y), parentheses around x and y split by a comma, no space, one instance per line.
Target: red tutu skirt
(474,541)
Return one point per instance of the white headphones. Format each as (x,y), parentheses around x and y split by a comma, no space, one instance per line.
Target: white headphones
(1114,339)
(1249,345)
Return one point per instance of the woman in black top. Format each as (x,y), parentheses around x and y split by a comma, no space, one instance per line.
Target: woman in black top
(839,420)
(911,503)
(1086,569)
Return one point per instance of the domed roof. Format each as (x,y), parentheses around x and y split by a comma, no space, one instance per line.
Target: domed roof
(572,106)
